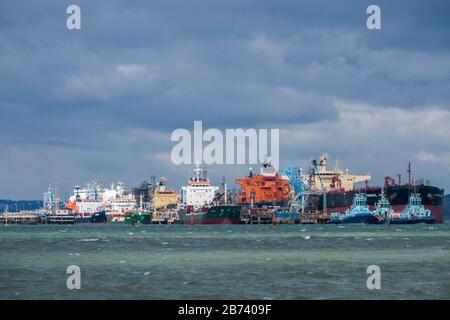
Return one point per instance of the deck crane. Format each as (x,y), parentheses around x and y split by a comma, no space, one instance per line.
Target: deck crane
(306,187)
(301,188)
(297,184)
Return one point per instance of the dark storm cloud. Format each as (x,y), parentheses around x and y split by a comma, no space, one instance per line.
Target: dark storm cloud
(102,101)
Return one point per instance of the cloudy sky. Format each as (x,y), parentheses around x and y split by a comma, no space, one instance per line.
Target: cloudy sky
(101,102)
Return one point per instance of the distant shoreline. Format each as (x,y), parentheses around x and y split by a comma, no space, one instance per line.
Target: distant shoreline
(18,205)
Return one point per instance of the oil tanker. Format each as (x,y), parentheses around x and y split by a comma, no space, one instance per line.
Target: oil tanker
(335,190)
(265,188)
(201,202)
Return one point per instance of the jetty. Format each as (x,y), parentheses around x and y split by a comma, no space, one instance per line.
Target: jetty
(21,218)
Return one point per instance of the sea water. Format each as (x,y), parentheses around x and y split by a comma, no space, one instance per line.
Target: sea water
(225,261)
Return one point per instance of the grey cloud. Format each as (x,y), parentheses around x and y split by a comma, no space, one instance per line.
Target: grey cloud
(82,102)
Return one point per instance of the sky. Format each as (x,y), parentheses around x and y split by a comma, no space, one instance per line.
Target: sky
(102,102)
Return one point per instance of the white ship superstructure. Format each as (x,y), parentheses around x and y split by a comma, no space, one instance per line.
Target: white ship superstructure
(199,192)
(93,198)
(326,179)
(120,205)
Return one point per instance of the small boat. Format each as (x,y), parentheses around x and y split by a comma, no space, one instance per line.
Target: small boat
(359,213)
(137,217)
(415,211)
(386,214)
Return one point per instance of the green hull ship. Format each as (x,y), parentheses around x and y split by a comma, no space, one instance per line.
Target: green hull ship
(222,214)
(138,218)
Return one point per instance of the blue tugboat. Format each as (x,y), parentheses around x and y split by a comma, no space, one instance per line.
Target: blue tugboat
(415,212)
(386,214)
(358,213)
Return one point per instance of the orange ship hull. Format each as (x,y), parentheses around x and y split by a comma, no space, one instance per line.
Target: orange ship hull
(265,189)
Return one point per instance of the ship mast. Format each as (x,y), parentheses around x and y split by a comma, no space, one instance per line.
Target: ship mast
(322,162)
(409,177)
(224,184)
(197,173)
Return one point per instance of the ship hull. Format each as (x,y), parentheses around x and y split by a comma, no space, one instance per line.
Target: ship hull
(437,212)
(214,215)
(356,219)
(426,220)
(60,219)
(432,199)
(138,218)
(96,217)
(396,221)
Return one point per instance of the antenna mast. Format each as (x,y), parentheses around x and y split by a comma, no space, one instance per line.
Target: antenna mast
(409,177)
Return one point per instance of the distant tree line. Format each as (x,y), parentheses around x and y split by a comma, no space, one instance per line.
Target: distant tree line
(15,206)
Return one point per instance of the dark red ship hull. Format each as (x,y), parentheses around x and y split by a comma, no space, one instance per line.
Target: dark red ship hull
(432,199)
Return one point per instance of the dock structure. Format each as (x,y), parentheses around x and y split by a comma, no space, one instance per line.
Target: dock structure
(264,215)
(21,218)
(257,215)
(316,217)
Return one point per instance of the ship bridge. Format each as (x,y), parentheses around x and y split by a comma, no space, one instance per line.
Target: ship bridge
(333,179)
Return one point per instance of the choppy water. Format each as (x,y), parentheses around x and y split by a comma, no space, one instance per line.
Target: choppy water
(230,262)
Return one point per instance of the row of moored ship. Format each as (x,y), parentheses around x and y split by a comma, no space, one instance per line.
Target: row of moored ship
(318,195)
